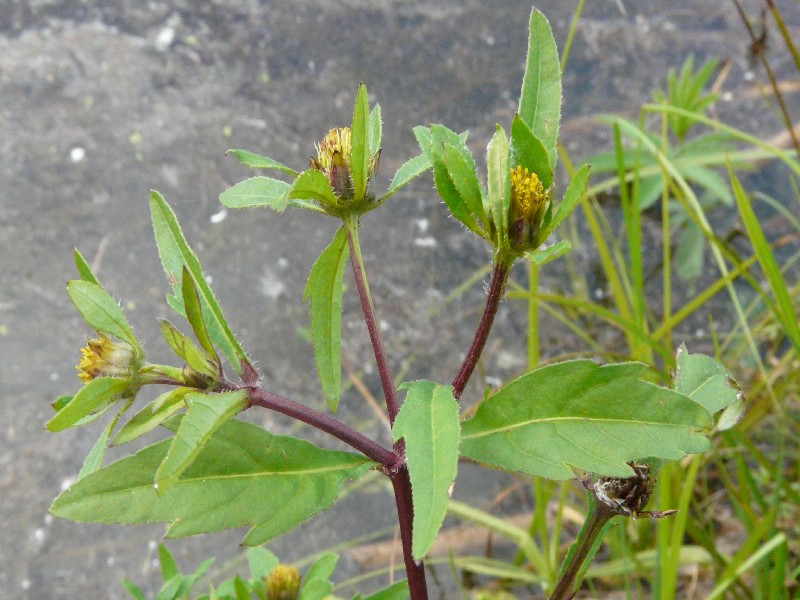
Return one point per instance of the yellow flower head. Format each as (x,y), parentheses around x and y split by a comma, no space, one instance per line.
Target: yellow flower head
(528,205)
(283,583)
(333,160)
(102,357)
(336,142)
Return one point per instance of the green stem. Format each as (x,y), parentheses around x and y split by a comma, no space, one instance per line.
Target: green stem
(585,547)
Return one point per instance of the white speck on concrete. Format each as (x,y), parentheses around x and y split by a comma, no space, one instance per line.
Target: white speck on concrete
(426,242)
(165,38)
(77,154)
(219,217)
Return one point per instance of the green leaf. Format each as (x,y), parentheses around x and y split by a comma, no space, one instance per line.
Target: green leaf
(94,460)
(441,137)
(462,173)
(359,144)
(316,584)
(704,380)
(241,589)
(375,130)
(243,476)
(90,397)
(324,292)
(257,191)
(194,357)
(783,308)
(540,99)
(175,253)
(499,184)
(256,161)
(529,152)
(313,185)
(543,256)
(171,589)
(152,415)
(396,591)
(100,311)
(408,171)
(168,567)
(194,313)
(206,414)
(133,590)
(428,421)
(261,561)
(689,253)
(84,270)
(575,190)
(579,414)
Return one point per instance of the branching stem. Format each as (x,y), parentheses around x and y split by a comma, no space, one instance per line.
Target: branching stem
(368,447)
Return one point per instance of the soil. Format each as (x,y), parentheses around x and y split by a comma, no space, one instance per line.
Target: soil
(100,101)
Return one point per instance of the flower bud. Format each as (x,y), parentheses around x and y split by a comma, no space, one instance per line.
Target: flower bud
(527,209)
(333,160)
(102,357)
(283,583)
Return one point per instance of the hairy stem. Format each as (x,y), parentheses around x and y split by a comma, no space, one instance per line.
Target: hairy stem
(496,285)
(415,571)
(368,447)
(389,392)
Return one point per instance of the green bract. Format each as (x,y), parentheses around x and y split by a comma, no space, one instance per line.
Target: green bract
(515,212)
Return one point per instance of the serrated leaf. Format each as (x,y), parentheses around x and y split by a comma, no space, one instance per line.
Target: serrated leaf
(529,152)
(90,397)
(256,161)
(257,191)
(324,292)
(175,253)
(100,311)
(261,561)
(409,170)
(575,190)
(704,380)
(313,185)
(498,184)
(375,130)
(243,476)
(84,269)
(359,144)
(428,421)
(152,415)
(579,414)
(540,99)
(206,414)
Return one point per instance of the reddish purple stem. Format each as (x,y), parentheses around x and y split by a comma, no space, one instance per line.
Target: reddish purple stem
(496,285)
